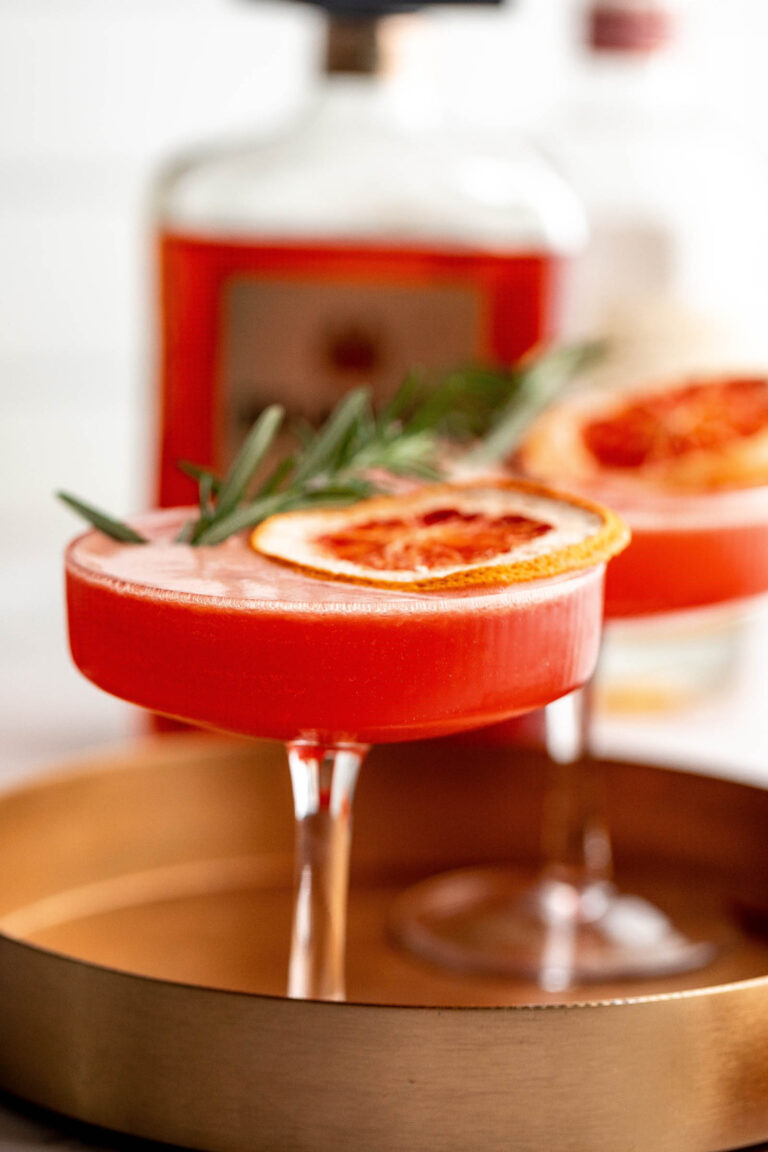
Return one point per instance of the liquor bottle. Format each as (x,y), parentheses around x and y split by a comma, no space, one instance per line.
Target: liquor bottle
(673,197)
(366,240)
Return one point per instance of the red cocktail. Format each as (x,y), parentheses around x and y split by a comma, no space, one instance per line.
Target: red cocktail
(499,613)
(686,465)
(687,468)
(275,652)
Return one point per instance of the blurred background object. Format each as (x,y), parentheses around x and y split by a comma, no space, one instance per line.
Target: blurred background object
(674,189)
(95,95)
(673,186)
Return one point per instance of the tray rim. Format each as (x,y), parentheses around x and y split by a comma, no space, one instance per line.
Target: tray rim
(438,1009)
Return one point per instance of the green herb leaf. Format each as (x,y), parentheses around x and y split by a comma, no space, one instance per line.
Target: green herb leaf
(324,452)
(539,384)
(116,529)
(247,516)
(279,474)
(200,474)
(405,400)
(187,533)
(257,444)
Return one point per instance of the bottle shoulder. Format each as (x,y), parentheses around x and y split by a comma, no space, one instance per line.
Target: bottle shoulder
(370,180)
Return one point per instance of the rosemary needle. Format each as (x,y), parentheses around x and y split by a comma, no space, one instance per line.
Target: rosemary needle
(106,524)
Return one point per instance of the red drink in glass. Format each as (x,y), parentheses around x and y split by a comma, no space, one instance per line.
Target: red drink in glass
(232,640)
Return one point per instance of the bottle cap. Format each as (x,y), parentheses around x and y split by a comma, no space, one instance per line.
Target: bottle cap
(629,26)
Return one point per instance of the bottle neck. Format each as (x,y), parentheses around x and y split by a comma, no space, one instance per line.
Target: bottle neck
(377,73)
(652,83)
(629,55)
(628,78)
(353,103)
(353,45)
(382,46)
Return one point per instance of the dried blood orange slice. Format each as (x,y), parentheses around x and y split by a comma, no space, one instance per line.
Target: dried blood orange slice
(483,532)
(699,435)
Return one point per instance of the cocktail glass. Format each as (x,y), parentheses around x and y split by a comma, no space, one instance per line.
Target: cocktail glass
(228,639)
(571,924)
(689,553)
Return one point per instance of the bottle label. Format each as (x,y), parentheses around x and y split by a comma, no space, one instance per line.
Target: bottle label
(245,325)
(306,343)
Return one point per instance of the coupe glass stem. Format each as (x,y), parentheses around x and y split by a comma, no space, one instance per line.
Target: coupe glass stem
(591,929)
(323,779)
(575,887)
(576,841)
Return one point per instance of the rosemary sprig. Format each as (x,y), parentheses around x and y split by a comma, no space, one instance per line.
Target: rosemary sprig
(482,411)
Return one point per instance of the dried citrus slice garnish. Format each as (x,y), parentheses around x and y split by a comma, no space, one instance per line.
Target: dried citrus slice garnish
(701,434)
(447,535)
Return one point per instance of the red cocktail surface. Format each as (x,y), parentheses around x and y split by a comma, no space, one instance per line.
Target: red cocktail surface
(230,639)
(686,466)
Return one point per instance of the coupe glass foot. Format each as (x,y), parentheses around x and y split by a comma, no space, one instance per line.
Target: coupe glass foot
(496,921)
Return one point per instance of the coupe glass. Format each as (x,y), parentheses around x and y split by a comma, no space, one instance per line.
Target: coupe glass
(572,924)
(227,639)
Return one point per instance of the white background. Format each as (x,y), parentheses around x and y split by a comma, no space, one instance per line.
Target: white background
(93,94)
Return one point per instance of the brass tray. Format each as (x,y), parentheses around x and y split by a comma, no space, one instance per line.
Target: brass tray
(144,923)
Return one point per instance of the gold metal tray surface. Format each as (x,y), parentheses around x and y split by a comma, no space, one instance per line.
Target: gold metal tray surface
(144,929)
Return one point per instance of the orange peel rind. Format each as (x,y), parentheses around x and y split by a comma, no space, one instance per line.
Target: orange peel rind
(447,536)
